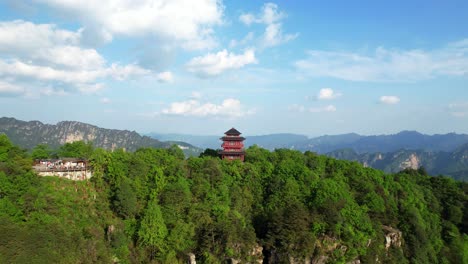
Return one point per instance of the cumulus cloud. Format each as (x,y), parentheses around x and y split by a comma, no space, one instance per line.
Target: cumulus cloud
(271,17)
(214,64)
(52,60)
(328,108)
(231,108)
(389,99)
(327,94)
(188,21)
(388,64)
(20,37)
(71,57)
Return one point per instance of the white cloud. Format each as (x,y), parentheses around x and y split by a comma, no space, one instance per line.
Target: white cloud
(389,99)
(8,89)
(268,15)
(274,36)
(188,21)
(51,60)
(46,45)
(21,70)
(20,37)
(328,108)
(459,109)
(214,64)
(70,57)
(271,17)
(120,73)
(231,108)
(327,94)
(388,65)
(165,77)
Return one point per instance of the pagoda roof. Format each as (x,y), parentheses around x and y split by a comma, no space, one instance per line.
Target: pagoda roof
(232,138)
(239,152)
(232,131)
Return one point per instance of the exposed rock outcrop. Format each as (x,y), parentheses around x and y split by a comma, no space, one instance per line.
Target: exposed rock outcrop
(393,237)
(412,162)
(191,258)
(257,254)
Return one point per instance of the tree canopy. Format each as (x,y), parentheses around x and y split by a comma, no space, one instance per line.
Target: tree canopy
(154,206)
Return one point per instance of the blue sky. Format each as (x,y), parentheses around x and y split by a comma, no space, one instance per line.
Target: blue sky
(201,67)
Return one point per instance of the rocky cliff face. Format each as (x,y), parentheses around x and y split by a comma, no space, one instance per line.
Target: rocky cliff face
(29,134)
(454,164)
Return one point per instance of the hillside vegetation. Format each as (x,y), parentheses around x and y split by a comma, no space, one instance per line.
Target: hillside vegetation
(155,206)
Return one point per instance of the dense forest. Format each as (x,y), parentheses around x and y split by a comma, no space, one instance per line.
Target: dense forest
(284,206)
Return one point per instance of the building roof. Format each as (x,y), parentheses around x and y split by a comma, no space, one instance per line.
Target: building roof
(232,138)
(232,131)
(240,152)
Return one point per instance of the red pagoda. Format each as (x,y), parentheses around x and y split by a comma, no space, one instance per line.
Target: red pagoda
(233,146)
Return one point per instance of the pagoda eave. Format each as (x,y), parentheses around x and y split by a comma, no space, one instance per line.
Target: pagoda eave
(241,152)
(232,138)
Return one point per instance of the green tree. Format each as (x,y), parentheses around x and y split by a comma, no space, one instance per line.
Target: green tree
(125,201)
(5,146)
(175,151)
(41,151)
(153,230)
(77,149)
(209,153)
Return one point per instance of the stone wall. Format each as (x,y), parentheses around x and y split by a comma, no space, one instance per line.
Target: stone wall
(71,175)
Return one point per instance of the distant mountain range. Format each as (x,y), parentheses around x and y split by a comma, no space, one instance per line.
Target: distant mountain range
(445,154)
(29,134)
(324,144)
(270,142)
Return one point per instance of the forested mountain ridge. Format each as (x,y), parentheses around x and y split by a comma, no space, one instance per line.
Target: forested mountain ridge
(155,206)
(32,133)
